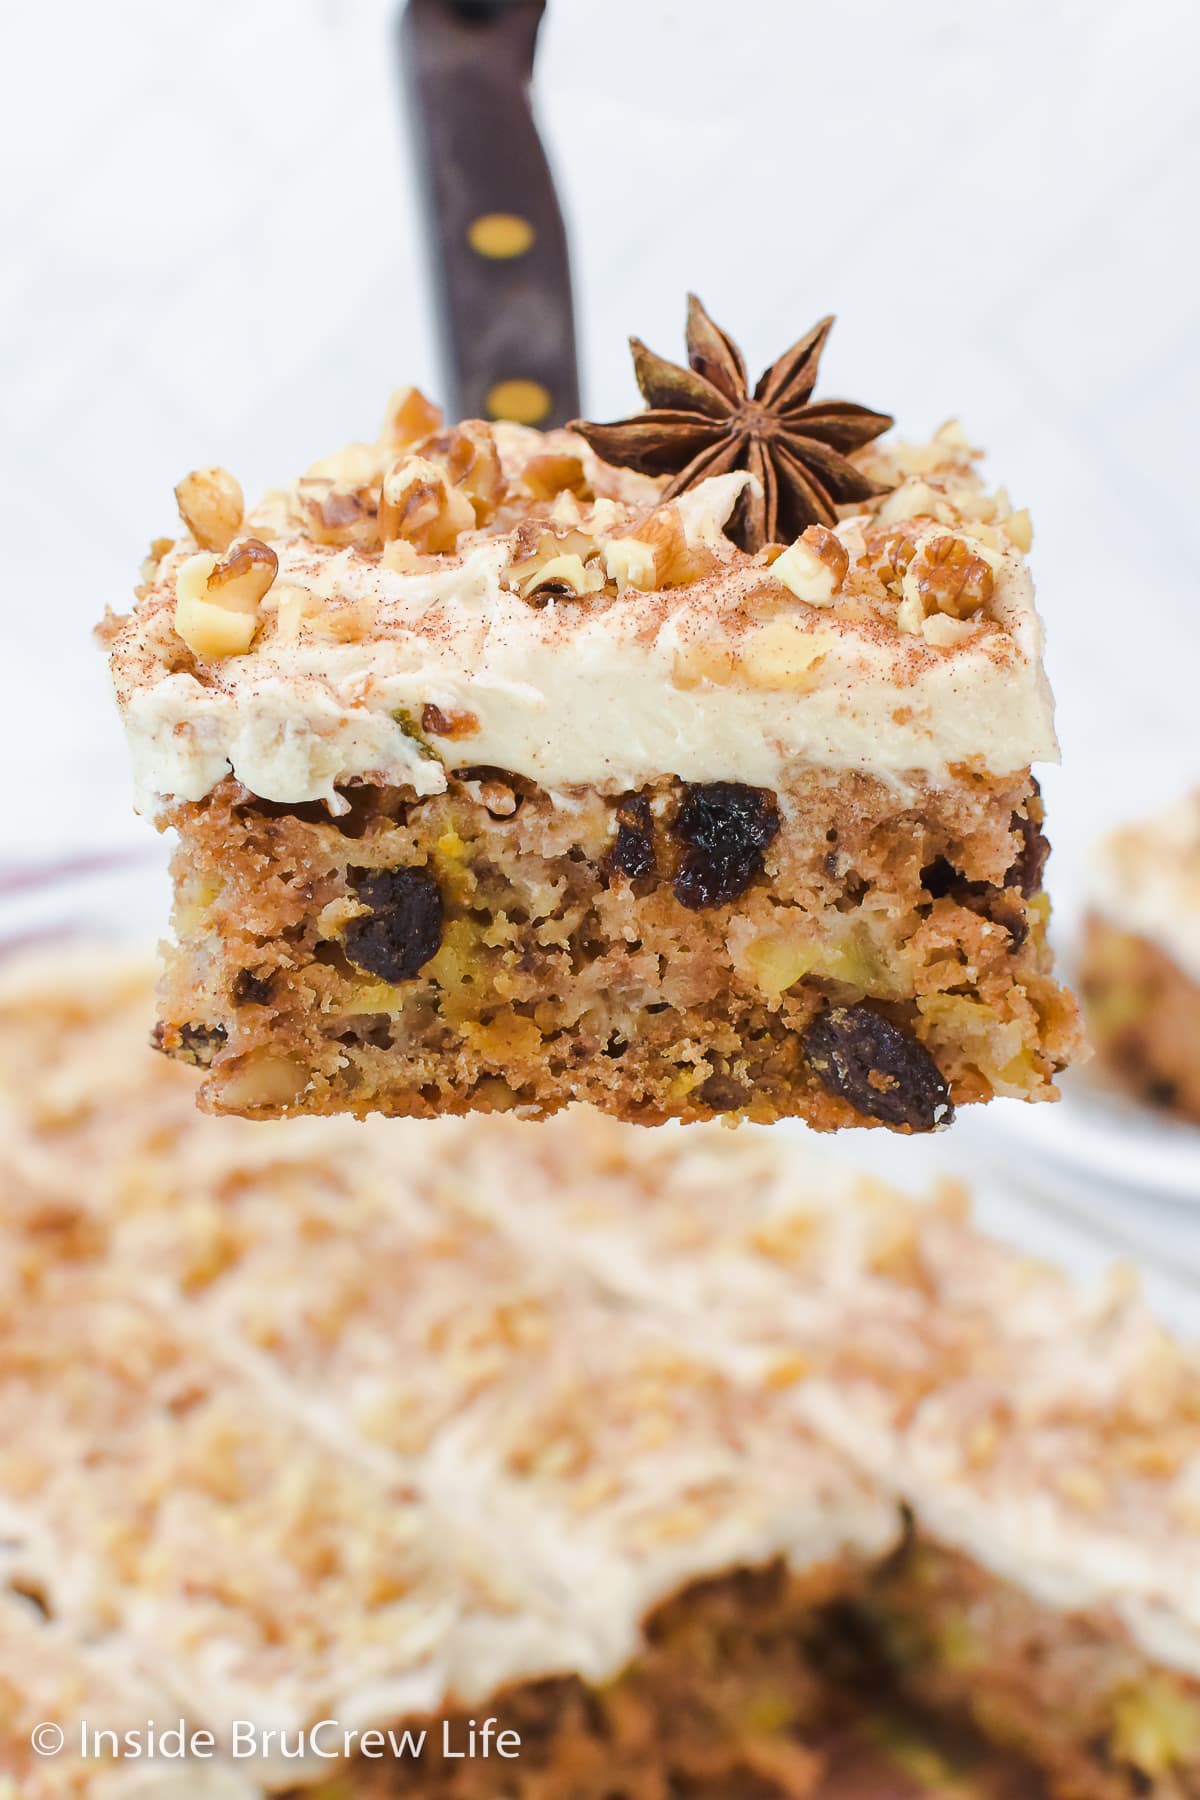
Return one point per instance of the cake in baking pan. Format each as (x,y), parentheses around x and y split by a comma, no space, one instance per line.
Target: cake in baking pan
(402,1425)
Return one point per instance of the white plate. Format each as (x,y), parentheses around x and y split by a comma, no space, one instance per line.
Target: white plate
(1111,1140)
(1092,1132)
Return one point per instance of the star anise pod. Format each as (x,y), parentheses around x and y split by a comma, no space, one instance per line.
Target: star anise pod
(703,420)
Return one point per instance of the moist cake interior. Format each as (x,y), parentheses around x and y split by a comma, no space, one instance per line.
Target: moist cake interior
(488,949)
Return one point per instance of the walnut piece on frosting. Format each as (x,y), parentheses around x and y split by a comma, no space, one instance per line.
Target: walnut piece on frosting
(814,567)
(782,654)
(629,561)
(217,602)
(299,612)
(948,576)
(549,563)
(421,506)
(211,506)
(678,558)
(553,473)
(409,418)
(339,512)
(471,463)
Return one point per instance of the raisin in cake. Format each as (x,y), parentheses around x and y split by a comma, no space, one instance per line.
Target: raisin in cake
(686,775)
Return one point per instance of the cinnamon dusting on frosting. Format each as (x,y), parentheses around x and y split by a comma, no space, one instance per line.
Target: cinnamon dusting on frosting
(601,635)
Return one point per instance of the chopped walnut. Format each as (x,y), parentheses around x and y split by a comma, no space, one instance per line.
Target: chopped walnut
(548,564)
(563,577)
(244,576)
(211,506)
(409,418)
(353,466)
(419,505)
(888,550)
(945,633)
(217,603)
(401,557)
(298,610)
(782,654)
(1018,529)
(265,1079)
(471,463)
(947,576)
(567,510)
(341,515)
(915,499)
(605,517)
(814,567)
(153,558)
(630,563)
(438,721)
(500,799)
(676,561)
(948,450)
(704,659)
(550,474)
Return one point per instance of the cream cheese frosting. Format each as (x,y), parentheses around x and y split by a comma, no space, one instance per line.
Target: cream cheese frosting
(566,694)
(1146,880)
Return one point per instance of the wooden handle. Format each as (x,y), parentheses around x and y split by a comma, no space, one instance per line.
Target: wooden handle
(496,234)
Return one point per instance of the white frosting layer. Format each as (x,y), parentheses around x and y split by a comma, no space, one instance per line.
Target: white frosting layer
(573,696)
(1146,879)
(1064,1562)
(1055,1368)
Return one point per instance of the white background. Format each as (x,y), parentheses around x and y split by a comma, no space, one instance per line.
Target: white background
(213,254)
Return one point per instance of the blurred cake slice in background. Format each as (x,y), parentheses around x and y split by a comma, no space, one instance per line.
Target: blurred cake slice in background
(681,766)
(1139,970)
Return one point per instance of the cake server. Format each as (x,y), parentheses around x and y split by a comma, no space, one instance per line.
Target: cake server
(496,236)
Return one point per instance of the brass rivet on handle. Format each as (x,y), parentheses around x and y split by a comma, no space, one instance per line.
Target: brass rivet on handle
(500,235)
(521,400)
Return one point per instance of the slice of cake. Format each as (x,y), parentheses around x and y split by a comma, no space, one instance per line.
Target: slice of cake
(681,766)
(1140,965)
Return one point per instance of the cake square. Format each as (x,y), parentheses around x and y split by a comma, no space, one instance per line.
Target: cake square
(510,771)
(1139,970)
